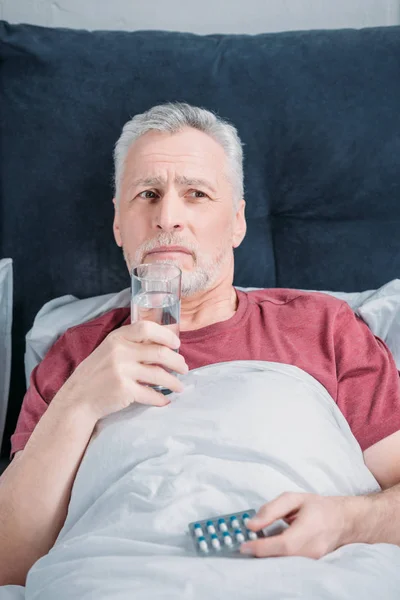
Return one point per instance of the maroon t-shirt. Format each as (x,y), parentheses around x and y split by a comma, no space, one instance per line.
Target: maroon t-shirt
(312,331)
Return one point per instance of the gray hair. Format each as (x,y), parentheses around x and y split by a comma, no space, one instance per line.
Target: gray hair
(172,118)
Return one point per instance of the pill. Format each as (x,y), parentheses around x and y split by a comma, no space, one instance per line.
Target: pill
(227,539)
(246,518)
(210,527)
(222,525)
(202,544)
(215,541)
(235,522)
(198,530)
(252,535)
(239,535)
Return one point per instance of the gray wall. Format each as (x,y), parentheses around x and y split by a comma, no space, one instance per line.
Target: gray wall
(203,16)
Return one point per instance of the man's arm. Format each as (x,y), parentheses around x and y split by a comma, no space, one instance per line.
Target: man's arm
(320,524)
(381,520)
(35,489)
(383,460)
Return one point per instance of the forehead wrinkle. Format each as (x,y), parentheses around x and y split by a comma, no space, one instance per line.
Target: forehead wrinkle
(154,181)
(148,181)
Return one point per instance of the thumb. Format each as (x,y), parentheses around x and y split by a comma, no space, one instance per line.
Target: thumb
(283,506)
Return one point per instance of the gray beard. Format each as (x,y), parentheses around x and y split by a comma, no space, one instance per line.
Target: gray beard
(200,279)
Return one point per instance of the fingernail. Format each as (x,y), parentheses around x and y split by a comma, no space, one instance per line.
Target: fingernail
(244,549)
(254,522)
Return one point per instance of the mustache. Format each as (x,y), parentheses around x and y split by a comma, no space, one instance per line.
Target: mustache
(165,239)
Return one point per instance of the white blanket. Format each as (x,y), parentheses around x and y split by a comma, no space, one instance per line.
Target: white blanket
(240,434)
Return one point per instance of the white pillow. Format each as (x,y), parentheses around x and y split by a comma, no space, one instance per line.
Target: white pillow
(6,290)
(380,309)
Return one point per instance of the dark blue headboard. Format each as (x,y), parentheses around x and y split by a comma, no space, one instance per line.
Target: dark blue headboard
(318,113)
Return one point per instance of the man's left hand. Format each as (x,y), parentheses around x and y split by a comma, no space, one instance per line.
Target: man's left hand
(317,525)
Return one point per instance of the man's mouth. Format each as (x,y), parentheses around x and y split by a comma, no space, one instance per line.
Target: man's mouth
(169,250)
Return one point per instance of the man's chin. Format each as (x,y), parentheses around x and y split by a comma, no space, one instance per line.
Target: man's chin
(194,280)
(178,262)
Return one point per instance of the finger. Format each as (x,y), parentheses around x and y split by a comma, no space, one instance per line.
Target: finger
(146,395)
(148,331)
(277,545)
(155,375)
(290,517)
(163,356)
(279,508)
(296,540)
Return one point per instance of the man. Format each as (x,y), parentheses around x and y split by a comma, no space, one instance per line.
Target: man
(179,198)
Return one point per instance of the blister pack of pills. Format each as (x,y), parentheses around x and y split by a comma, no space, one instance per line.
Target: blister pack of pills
(224,534)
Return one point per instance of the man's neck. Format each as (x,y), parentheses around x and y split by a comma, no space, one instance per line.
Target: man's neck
(206,308)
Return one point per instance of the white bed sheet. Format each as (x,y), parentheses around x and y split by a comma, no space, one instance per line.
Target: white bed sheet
(12,592)
(240,434)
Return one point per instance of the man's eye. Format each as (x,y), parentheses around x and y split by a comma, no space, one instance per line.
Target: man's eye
(148,195)
(198,194)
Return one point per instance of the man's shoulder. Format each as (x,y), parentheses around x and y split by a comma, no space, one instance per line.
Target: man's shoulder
(303,299)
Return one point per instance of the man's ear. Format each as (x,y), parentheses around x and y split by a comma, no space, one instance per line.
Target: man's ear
(239,226)
(116,229)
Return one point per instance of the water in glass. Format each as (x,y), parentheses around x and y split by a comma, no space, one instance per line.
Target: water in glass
(161,307)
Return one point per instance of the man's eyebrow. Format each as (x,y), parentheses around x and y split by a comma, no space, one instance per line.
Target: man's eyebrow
(179,179)
(194,181)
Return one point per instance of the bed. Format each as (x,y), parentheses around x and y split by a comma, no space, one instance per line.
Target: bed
(318,116)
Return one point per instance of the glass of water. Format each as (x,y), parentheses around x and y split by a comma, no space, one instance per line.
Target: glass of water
(156,296)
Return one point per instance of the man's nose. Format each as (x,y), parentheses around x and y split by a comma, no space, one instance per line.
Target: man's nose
(169,213)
